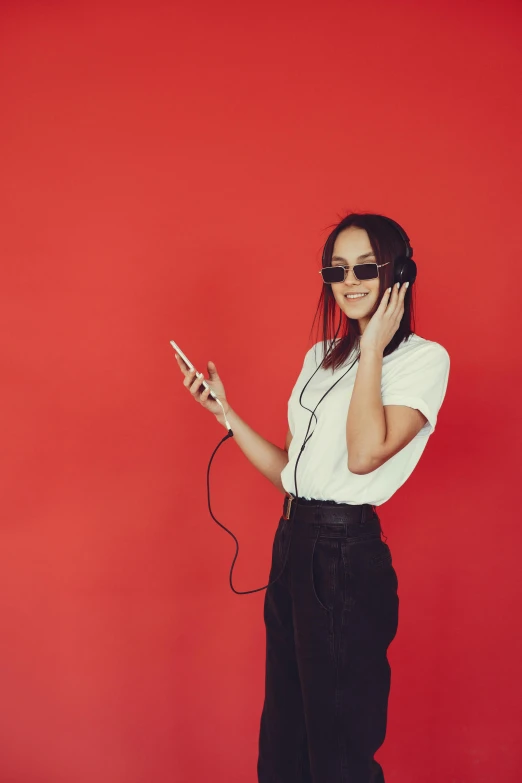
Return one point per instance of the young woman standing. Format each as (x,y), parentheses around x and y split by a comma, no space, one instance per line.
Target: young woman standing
(360,415)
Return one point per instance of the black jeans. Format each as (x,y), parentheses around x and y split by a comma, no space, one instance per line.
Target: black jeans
(329,620)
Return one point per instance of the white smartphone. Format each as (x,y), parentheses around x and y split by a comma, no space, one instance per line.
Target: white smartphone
(190,366)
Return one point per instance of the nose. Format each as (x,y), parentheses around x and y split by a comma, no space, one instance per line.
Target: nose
(350,277)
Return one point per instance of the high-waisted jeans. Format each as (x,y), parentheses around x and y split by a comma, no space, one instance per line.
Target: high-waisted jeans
(329,618)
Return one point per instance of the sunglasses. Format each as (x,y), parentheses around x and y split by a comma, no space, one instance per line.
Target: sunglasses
(337,274)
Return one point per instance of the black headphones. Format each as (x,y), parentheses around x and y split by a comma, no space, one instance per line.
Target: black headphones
(405,268)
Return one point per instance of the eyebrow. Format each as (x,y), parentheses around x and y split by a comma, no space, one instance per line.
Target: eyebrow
(360,258)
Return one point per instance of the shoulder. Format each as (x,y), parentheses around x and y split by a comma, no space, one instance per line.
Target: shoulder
(314,355)
(417,361)
(418,349)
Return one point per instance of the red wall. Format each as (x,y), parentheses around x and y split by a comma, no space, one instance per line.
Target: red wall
(170,172)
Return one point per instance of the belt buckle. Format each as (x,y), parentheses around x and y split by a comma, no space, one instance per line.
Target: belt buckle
(287,506)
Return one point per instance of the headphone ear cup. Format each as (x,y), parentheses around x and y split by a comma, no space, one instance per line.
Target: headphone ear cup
(404,270)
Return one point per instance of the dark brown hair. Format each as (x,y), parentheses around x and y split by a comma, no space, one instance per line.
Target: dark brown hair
(388,245)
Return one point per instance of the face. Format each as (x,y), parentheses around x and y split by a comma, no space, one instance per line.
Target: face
(352,246)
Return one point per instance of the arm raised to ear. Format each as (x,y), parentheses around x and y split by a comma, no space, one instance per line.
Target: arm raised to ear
(384,417)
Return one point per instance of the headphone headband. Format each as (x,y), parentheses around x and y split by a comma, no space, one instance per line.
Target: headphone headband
(403,234)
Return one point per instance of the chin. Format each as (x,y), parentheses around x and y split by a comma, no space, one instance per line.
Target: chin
(357,312)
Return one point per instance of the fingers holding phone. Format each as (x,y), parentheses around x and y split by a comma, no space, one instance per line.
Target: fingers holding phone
(195,382)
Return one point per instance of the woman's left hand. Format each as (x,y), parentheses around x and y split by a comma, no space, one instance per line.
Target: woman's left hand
(385,321)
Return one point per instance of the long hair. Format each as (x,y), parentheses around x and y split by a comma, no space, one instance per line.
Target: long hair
(341,335)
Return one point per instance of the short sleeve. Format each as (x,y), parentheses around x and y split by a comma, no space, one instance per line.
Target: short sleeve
(420,381)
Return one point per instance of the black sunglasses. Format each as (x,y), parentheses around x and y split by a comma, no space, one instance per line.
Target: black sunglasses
(337,274)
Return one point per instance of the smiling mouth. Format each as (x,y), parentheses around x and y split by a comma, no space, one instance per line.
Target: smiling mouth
(354,297)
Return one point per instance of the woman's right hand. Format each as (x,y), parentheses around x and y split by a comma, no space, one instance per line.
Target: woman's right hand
(193,381)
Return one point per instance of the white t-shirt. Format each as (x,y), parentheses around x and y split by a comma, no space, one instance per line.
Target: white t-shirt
(415,374)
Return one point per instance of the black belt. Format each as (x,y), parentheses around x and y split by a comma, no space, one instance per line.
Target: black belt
(348,509)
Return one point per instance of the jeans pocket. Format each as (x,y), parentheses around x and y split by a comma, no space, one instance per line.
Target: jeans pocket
(324,572)
(381,557)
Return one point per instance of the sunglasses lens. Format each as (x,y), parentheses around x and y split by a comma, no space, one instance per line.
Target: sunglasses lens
(366,271)
(333,274)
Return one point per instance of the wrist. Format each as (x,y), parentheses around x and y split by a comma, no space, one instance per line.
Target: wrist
(372,350)
(221,416)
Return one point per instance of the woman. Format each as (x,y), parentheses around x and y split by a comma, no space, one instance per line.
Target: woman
(360,415)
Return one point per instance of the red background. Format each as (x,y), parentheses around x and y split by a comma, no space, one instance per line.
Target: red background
(169,172)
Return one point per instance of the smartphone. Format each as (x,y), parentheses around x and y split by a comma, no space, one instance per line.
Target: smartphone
(190,366)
